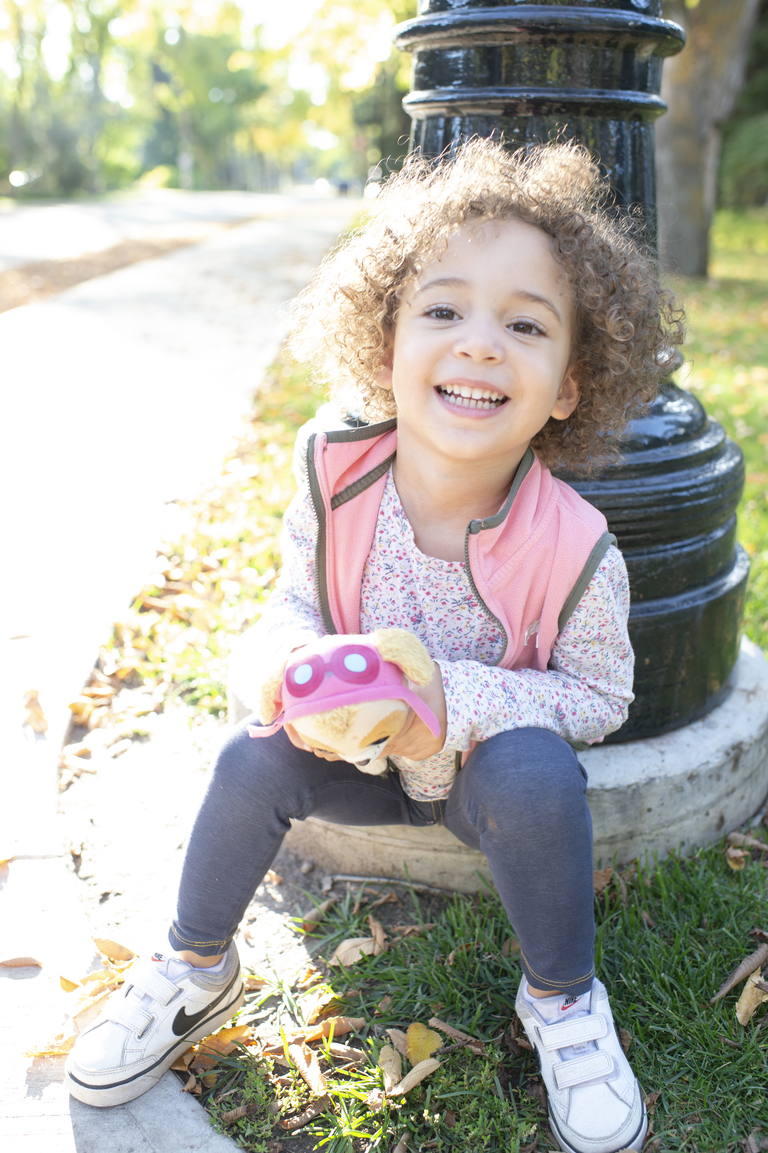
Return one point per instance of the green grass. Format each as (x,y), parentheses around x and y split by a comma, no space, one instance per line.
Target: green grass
(211,583)
(661,977)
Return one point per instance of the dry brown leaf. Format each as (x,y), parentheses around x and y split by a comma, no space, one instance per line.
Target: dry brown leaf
(314,1109)
(648,919)
(351,950)
(384,1004)
(601,878)
(510,947)
(390,897)
(625,1039)
(375,1100)
(273,877)
(399,1040)
(309,975)
(235,1114)
(183,1061)
(252,983)
(422,1042)
(408,930)
(743,841)
(346,1053)
(378,934)
(750,1000)
(736,858)
(192,1085)
(67,985)
(754,961)
(318,1003)
(415,1076)
(391,1066)
(21,963)
(209,1080)
(315,916)
(474,1044)
(333,1026)
(461,949)
(402,1146)
(112,950)
(307,1064)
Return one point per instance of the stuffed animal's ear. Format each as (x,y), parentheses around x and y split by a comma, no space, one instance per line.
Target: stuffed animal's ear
(407,651)
(270,701)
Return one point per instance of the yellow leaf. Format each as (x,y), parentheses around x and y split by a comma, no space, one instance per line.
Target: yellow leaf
(422,1042)
(736,858)
(391,1067)
(67,985)
(416,1076)
(750,1000)
(112,950)
(307,1064)
(351,950)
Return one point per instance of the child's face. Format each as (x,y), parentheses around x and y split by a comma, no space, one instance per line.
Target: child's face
(482,346)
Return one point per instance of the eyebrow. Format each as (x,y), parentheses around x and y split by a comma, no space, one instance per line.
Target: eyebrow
(457,282)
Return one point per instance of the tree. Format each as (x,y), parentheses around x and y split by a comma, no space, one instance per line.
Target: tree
(700,86)
(743,177)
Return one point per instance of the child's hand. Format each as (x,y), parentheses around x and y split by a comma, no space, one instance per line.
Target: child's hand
(414,740)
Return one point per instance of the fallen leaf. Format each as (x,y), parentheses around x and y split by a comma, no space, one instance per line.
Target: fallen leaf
(625,1039)
(415,1076)
(33,712)
(736,858)
(59,1047)
(422,1042)
(510,947)
(183,1061)
(386,898)
(333,1026)
(474,1044)
(346,1053)
(315,916)
(402,1146)
(273,877)
(754,961)
(378,934)
(750,1000)
(236,1114)
(309,975)
(21,963)
(646,916)
(314,1109)
(461,949)
(317,1003)
(408,930)
(210,1080)
(601,878)
(384,1004)
(192,1085)
(351,950)
(742,841)
(391,1066)
(308,1066)
(375,1100)
(399,1040)
(252,983)
(651,1100)
(67,985)
(112,950)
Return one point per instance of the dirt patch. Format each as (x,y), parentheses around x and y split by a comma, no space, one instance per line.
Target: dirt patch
(41,278)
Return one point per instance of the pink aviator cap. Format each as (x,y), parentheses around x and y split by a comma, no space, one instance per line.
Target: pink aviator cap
(338,671)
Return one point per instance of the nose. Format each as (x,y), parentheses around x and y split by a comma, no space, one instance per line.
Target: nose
(478,339)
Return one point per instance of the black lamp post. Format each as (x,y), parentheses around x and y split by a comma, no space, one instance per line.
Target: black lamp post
(531,72)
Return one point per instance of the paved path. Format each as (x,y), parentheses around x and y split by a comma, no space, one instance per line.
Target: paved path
(122,394)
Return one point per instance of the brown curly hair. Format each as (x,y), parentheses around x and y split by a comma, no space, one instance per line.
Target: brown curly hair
(625,324)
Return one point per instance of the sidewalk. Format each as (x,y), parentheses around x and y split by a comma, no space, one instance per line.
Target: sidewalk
(126,391)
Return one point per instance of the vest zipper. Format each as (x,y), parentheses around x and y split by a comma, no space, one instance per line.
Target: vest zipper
(474,588)
(318,507)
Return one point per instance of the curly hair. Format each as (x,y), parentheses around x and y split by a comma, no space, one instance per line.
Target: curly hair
(625,324)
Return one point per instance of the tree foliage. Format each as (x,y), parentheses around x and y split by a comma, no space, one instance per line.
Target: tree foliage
(95,94)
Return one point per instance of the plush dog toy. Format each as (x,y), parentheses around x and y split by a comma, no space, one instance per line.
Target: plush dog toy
(349,695)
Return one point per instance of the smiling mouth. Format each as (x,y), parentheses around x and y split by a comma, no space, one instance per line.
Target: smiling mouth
(465,397)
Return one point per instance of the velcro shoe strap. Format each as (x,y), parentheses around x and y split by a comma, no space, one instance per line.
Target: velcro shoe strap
(575,1032)
(158,987)
(581,1069)
(134,1017)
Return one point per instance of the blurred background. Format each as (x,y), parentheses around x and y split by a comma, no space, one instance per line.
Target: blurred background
(97,96)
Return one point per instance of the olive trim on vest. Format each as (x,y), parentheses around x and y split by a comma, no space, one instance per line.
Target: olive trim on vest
(585,576)
(365,432)
(358,486)
(476,526)
(321,581)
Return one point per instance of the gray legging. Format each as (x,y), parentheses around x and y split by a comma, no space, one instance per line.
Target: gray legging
(520,798)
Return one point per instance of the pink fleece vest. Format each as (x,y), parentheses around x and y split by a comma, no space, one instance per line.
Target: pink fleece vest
(530,564)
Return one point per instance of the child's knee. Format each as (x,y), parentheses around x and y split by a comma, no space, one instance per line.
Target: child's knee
(525,771)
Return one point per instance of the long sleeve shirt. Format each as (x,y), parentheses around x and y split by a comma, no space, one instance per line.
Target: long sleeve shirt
(583,695)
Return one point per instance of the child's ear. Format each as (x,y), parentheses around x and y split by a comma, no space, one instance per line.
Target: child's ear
(567,397)
(384,375)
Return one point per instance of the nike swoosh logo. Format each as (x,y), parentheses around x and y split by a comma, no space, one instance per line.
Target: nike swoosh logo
(184,1021)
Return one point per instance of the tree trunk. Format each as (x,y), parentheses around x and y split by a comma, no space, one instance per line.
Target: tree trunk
(700,87)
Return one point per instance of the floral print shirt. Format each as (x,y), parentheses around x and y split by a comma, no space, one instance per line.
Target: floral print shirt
(583,695)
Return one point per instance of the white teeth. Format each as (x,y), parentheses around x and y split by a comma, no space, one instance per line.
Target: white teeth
(468,397)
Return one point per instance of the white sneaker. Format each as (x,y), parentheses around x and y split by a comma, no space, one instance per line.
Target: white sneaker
(595,1103)
(163,1007)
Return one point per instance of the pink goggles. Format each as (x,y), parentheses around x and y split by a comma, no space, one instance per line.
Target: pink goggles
(351,673)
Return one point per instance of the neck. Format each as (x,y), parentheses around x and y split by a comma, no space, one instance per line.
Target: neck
(441,496)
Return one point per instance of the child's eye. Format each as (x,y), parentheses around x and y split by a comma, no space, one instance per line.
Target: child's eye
(442,312)
(526,328)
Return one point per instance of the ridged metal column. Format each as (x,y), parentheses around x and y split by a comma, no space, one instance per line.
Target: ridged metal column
(593,73)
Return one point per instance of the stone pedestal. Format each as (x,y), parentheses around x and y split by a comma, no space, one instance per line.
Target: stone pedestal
(683,789)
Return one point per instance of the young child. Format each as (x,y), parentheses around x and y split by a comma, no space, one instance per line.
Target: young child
(496,320)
